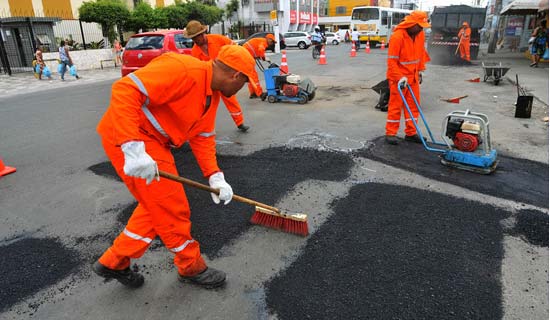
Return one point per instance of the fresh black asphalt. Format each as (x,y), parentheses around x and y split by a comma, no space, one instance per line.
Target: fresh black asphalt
(515,179)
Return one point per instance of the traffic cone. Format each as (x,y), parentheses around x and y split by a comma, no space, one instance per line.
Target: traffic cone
(383,45)
(474,80)
(367,48)
(454,100)
(322,58)
(4,170)
(284,66)
(353,53)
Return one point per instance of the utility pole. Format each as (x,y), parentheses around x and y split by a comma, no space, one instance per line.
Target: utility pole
(493,37)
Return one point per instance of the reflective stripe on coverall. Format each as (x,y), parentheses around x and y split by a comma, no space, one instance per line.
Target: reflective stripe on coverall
(215,43)
(464,44)
(406,57)
(183,108)
(256,47)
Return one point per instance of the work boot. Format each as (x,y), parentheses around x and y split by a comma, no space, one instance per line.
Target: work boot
(210,278)
(414,138)
(392,140)
(253,96)
(243,128)
(127,277)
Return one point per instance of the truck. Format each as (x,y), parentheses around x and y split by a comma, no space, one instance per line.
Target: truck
(446,22)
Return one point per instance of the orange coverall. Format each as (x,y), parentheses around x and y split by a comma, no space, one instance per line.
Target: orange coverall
(256,47)
(215,43)
(464,44)
(164,104)
(406,58)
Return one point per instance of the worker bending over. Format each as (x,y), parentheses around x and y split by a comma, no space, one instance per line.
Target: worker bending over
(147,116)
(205,48)
(464,41)
(406,61)
(257,47)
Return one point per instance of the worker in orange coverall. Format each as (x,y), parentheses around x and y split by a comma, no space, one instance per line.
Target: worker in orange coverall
(170,101)
(206,48)
(464,41)
(406,61)
(257,47)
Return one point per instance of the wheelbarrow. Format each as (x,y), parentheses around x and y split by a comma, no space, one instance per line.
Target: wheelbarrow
(494,71)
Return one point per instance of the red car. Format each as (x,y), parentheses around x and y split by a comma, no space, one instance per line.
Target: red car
(144,47)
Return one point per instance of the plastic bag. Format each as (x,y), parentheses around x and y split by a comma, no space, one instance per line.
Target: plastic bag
(545,55)
(37,68)
(46,72)
(60,68)
(72,71)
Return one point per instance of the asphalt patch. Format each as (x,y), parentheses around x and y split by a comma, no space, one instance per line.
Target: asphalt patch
(395,252)
(515,179)
(30,265)
(266,176)
(532,226)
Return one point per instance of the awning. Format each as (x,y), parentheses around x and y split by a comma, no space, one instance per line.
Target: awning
(521,7)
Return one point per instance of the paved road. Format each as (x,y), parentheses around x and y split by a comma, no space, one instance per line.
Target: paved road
(67,214)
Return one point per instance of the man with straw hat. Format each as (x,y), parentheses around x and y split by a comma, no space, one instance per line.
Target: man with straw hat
(206,48)
(406,61)
(147,116)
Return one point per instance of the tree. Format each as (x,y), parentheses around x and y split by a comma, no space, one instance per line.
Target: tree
(207,14)
(108,13)
(231,8)
(174,15)
(143,17)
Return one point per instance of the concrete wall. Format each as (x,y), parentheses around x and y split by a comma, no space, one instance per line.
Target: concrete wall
(83,60)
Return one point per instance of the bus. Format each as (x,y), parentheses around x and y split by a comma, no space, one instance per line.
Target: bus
(375,24)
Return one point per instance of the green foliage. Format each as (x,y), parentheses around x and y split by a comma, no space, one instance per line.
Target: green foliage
(231,7)
(142,17)
(207,14)
(174,16)
(96,45)
(108,13)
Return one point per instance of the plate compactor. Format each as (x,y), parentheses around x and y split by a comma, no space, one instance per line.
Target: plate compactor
(465,137)
(286,87)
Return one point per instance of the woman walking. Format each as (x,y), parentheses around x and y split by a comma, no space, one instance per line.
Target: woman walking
(66,60)
(539,43)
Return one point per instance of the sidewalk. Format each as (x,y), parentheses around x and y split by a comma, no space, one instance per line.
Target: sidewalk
(533,80)
(23,83)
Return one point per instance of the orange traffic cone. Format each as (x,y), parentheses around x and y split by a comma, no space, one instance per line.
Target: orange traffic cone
(5,170)
(353,53)
(284,66)
(474,80)
(454,100)
(367,48)
(323,57)
(383,45)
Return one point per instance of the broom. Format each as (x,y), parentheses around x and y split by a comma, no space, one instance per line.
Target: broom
(264,215)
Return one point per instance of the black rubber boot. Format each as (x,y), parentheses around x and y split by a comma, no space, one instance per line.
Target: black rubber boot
(210,278)
(392,140)
(127,277)
(414,138)
(243,128)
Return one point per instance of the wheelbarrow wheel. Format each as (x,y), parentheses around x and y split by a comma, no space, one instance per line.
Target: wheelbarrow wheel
(497,81)
(485,78)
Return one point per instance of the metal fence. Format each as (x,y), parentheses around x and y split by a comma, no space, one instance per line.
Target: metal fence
(21,36)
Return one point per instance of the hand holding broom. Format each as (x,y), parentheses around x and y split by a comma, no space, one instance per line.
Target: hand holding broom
(265,215)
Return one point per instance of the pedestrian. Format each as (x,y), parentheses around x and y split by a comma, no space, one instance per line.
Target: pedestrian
(117,48)
(40,62)
(346,36)
(205,48)
(180,106)
(539,43)
(406,61)
(256,47)
(66,60)
(355,38)
(464,41)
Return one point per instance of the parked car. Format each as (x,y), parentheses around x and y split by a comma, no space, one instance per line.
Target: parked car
(298,39)
(282,42)
(141,48)
(333,38)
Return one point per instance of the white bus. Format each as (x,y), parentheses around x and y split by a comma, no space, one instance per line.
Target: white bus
(376,23)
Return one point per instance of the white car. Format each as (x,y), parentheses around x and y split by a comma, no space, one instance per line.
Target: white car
(298,39)
(332,38)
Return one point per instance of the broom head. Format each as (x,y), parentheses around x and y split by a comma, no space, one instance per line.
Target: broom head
(291,223)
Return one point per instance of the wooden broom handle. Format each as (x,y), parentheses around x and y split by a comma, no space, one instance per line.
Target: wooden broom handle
(204,187)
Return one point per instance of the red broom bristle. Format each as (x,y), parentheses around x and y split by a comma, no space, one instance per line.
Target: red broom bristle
(280,223)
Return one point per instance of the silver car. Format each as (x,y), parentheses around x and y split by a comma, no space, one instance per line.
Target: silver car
(332,38)
(298,39)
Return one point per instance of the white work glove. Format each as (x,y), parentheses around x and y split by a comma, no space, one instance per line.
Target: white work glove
(420,77)
(402,82)
(137,163)
(217,181)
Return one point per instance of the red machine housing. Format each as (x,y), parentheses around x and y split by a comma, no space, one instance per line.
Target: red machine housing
(466,142)
(290,90)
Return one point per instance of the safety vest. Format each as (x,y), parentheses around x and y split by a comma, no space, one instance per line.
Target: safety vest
(215,43)
(406,57)
(256,47)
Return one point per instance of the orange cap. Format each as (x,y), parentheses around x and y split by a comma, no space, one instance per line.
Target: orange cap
(419,17)
(238,59)
(270,36)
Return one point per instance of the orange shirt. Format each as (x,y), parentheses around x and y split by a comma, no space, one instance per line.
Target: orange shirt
(215,43)
(256,47)
(464,34)
(178,90)
(406,57)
